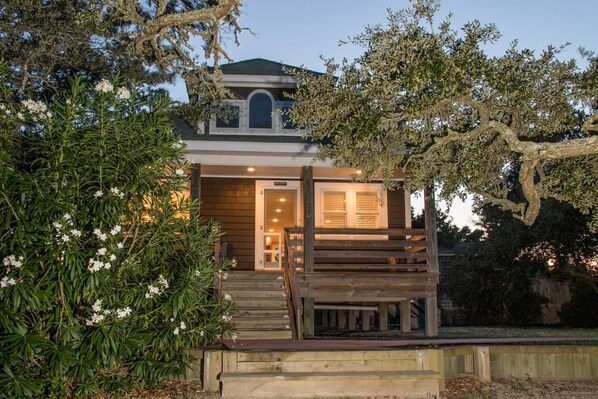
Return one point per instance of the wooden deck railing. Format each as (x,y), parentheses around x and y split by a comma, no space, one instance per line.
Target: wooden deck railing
(292,292)
(356,265)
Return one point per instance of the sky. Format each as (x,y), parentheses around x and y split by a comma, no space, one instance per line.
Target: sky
(298,33)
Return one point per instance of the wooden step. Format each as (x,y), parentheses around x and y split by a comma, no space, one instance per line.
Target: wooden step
(355,384)
(262,333)
(275,313)
(252,293)
(254,303)
(260,322)
(252,284)
(254,276)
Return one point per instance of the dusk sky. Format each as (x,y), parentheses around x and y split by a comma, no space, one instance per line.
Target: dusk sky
(299,32)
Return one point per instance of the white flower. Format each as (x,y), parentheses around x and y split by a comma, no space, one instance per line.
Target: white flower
(75,233)
(102,251)
(98,194)
(122,313)
(227,297)
(234,337)
(57,225)
(183,325)
(49,115)
(35,107)
(179,172)
(123,93)
(120,245)
(95,319)
(163,281)
(226,318)
(116,192)
(234,262)
(201,333)
(107,265)
(67,216)
(115,230)
(176,331)
(197,273)
(7,282)
(97,232)
(102,237)
(112,257)
(95,265)
(20,116)
(152,291)
(104,86)
(224,276)
(107,312)
(65,238)
(97,306)
(172,320)
(9,260)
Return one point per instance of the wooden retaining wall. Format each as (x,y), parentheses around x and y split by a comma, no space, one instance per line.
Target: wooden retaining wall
(543,362)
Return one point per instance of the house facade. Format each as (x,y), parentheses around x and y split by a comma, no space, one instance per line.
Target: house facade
(342,244)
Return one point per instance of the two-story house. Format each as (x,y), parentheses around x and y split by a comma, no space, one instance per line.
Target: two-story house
(343,250)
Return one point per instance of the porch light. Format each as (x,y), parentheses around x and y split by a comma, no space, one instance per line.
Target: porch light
(271,230)
(251,169)
(358,172)
(279,210)
(282,200)
(275,220)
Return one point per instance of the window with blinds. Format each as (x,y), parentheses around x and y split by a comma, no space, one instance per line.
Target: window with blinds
(346,205)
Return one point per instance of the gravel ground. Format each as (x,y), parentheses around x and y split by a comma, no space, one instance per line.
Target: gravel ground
(458,388)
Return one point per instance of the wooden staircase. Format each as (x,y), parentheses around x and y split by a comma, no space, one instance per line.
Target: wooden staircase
(262,311)
(340,374)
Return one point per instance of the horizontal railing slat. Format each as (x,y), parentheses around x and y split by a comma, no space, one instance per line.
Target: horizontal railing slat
(369,254)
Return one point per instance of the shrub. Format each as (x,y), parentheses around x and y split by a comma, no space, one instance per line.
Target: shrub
(105,278)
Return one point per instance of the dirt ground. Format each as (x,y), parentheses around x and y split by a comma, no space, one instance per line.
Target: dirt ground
(471,388)
(459,388)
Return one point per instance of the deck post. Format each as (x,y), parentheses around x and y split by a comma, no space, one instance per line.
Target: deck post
(481,360)
(308,218)
(195,190)
(308,317)
(382,316)
(365,320)
(430,220)
(405,316)
(352,320)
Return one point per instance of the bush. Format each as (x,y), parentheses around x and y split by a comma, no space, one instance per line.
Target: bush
(106,279)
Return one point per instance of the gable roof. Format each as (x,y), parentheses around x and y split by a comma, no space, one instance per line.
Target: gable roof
(258,66)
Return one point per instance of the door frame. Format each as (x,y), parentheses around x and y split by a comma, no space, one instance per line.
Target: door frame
(260,187)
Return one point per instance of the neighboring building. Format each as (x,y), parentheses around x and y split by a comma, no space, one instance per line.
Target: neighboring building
(256,174)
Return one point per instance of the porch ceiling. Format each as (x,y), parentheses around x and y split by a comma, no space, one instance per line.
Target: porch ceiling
(279,172)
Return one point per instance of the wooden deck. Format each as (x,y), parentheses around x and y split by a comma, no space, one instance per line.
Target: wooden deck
(357,268)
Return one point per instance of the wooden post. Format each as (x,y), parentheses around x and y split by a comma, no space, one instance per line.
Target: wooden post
(352,321)
(383,316)
(405,316)
(212,370)
(195,189)
(481,361)
(430,220)
(308,218)
(431,317)
(308,317)
(365,320)
(342,319)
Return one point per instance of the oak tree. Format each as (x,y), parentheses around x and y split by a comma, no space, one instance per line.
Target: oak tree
(428,98)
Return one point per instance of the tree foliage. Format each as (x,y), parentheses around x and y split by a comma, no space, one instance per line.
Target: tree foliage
(493,282)
(105,280)
(47,42)
(428,98)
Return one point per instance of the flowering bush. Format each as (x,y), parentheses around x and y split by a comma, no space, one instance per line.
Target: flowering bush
(102,282)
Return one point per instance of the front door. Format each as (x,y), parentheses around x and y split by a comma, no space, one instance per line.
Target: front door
(277,207)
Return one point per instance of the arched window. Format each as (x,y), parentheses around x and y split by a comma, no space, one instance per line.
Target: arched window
(260,111)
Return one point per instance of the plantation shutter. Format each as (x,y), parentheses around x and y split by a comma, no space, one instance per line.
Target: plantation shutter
(367,213)
(334,209)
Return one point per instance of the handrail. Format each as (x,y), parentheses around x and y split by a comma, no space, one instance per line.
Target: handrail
(292,289)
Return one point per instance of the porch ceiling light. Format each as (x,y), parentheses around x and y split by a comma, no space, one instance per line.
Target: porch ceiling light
(279,210)
(358,172)
(282,200)
(251,169)
(275,220)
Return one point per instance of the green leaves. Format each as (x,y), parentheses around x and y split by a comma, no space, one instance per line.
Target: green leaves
(104,276)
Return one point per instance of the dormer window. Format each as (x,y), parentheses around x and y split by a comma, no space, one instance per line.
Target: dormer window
(260,110)
(230,117)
